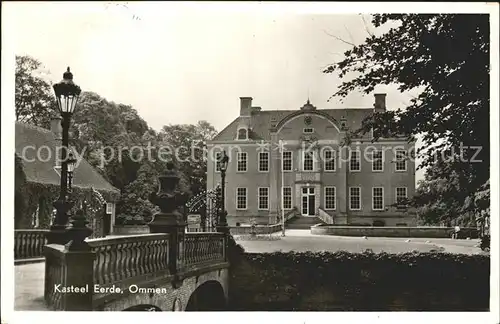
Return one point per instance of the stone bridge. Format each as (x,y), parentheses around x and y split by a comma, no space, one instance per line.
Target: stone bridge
(166,270)
(129,273)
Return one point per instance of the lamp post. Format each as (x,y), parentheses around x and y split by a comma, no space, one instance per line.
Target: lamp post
(67,93)
(222,223)
(71,168)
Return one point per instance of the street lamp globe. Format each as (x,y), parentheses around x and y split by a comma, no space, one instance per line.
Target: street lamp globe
(67,93)
(224,161)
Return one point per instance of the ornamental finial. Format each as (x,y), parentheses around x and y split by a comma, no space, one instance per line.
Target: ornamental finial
(68,75)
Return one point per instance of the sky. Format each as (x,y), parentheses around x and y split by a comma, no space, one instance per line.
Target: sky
(181,63)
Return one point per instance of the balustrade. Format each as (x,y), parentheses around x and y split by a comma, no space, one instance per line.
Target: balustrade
(55,268)
(29,243)
(203,248)
(118,259)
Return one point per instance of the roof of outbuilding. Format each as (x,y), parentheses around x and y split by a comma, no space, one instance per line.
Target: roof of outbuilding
(32,140)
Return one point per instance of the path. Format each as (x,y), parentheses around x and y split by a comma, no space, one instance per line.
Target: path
(303,240)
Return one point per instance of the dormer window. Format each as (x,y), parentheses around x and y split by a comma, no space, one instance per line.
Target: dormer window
(308,130)
(242,134)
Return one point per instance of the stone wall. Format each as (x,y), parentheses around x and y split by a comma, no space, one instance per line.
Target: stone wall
(373,231)
(259,229)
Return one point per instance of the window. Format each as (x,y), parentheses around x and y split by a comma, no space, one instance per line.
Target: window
(329,160)
(354,161)
(241,198)
(109,208)
(263,161)
(242,162)
(378,198)
(355,198)
(308,161)
(36,217)
(263,198)
(330,198)
(242,134)
(218,156)
(377,161)
(400,160)
(287,198)
(401,195)
(308,130)
(287,161)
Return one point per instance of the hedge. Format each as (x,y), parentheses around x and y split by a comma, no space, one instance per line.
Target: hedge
(359,281)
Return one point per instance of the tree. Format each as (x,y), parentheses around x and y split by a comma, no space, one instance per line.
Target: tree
(447,56)
(188,145)
(34,99)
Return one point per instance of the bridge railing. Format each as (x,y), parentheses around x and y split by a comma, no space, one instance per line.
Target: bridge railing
(29,243)
(201,248)
(122,258)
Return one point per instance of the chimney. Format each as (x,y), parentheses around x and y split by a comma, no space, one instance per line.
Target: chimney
(256,110)
(245,106)
(55,126)
(379,104)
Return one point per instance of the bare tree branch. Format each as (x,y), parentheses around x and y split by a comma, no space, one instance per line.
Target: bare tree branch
(338,38)
(366,26)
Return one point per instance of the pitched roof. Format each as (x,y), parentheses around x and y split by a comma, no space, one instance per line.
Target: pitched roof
(263,120)
(32,141)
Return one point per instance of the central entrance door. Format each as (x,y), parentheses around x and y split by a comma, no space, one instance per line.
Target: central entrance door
(308,201)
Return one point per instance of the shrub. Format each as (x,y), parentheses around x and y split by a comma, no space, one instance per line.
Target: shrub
(360,281)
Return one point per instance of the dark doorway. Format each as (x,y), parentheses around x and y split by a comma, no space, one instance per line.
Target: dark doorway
(106,224)
(312,212)
(207,297)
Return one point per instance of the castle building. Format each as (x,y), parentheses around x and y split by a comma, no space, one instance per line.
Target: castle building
(296,163)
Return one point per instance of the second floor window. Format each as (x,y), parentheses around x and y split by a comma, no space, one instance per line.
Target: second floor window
(377,161)
(218,156)
(263,198)
(354,161)
(263,161)
(308,161)
(329,160)
(400,160)
(287,161)
(242,162)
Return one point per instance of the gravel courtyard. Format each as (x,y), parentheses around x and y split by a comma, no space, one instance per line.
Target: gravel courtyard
(303,240)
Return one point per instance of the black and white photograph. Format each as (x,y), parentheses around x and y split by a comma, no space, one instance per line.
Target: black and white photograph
(259,161)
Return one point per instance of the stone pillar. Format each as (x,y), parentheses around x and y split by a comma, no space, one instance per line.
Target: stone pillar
(71,266)
(275,184)
(170,219)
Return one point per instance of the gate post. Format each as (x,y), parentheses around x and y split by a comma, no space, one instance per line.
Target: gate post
(170,219)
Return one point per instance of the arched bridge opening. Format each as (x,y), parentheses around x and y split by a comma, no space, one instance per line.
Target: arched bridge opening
(207,297)
(143,308)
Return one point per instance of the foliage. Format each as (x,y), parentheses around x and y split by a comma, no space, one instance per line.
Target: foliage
(34,100)
(360,281)
(115,140)
(188,143)
(446,56)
